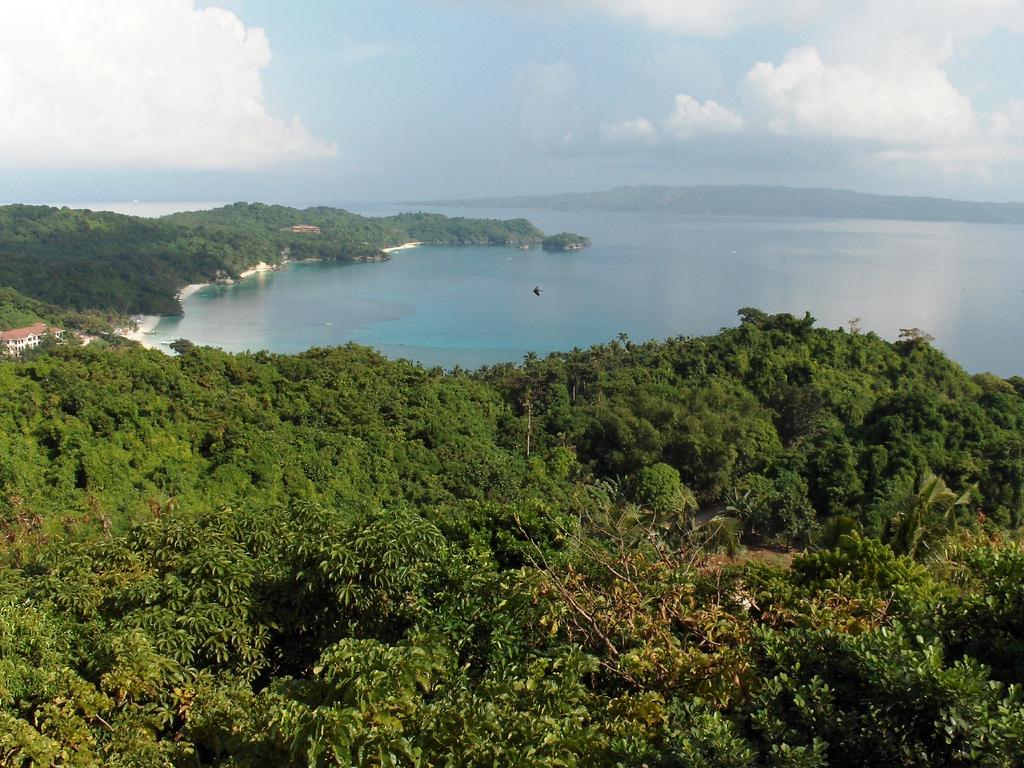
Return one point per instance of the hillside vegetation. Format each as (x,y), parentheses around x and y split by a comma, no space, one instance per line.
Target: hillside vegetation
(565,241)
(18,310)
(335,559)
(83,260)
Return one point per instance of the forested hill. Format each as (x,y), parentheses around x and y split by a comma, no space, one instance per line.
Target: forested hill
(18,310)
(823,422)
(761,201)
(333,559)
(83,260)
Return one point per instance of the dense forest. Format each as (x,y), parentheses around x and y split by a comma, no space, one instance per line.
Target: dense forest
(565,241)
(18,310)
(782,545)
(115,264)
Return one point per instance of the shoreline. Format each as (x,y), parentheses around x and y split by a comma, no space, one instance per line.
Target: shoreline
(259,268)
(187,291)
(145,324)
(403,247)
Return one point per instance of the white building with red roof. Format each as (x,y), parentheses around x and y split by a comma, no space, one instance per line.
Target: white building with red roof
(17,340)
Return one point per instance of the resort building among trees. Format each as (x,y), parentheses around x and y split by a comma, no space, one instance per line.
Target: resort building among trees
(17,340)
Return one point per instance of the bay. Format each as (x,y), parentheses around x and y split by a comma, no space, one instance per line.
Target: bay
(650,276)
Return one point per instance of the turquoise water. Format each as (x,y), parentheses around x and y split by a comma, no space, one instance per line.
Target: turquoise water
(649,276)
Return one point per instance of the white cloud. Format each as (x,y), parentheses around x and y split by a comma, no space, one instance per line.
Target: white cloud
(877,79)
(909,114)
(804,96)
(690,119)
(915,32)
(638,131)
(693,118)
(124,83)
(548,101)
(1007,122)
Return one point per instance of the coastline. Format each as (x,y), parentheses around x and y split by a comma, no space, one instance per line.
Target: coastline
(188,290)
(261,267)
(403,247)
(144,327)
(146,324)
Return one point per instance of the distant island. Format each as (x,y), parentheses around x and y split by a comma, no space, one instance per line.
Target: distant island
(565,241)
(744,200)
(80,268)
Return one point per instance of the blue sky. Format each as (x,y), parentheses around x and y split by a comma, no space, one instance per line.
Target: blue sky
(336,101)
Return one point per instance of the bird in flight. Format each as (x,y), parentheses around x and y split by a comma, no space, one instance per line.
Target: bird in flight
(537,290)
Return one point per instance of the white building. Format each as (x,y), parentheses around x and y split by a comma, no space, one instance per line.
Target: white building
(16,341)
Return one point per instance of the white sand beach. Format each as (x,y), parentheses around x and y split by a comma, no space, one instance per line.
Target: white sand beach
(403,247)
(144,327)
(145,324)
(261,267)
(188,290)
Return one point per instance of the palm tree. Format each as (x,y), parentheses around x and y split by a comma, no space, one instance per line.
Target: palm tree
(720,533)
(611,515)
(925,516)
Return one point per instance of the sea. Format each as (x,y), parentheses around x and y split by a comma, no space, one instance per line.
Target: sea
(648,276)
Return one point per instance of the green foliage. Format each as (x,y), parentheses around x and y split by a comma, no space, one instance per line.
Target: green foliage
(925,516)
(18,311)
(881,698)
(182,346)
(703,737)
(659,489)
(107,262)
(773,508)
(867,561)
(335,637)
(565,241)
(334,559)
(840,424)
(988,622)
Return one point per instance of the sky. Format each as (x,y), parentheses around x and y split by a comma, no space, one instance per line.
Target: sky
(335,101)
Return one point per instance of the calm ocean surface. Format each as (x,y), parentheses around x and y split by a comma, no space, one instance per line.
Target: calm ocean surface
(647,275)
